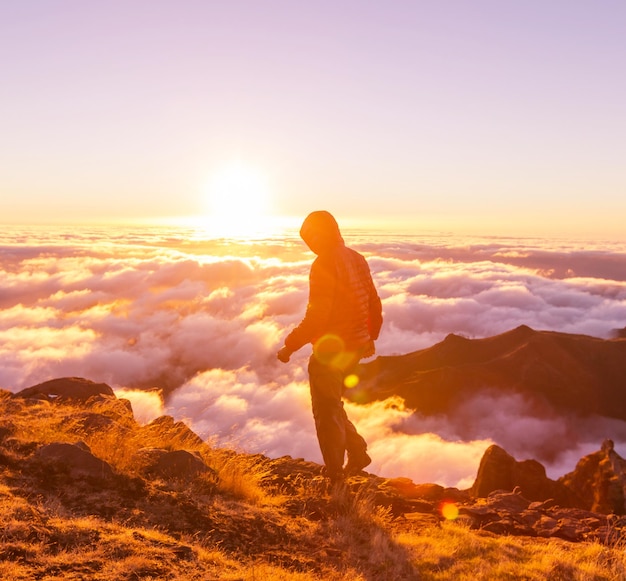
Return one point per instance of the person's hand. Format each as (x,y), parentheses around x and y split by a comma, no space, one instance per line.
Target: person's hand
(283,354)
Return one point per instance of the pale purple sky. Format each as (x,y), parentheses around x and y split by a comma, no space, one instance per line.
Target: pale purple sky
(483,115)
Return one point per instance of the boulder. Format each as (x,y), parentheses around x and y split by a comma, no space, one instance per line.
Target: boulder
(498,470)
(171,464)
(600,478)
(75,388)
(406,487)
(76,458)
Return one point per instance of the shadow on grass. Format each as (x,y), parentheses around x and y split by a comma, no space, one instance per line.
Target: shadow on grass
(361,530)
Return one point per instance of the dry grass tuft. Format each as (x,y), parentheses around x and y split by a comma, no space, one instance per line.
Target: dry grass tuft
(240,476)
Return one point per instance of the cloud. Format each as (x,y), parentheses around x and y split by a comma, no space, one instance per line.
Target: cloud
(484,298)
(236,409)
(147,405)
(201,320)
(138,320)
(524,427)
(423,456)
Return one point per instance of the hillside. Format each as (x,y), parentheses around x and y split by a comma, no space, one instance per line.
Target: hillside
(568,373)
(88,493)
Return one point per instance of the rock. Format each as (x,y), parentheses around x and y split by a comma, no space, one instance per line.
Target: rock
(570,529)
(429,493)
(509,526)
(77,458)
(112,406)
(64,388)
(500,471)
(164,428)
(409,489)
(479,515)
(545,526)
(171,464)
(89,423)
(545,505)
(504,513)
(600,478)
(507,501)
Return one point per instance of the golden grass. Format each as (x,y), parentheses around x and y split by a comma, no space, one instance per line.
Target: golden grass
(50,425)
(309,534)
(240,476)
(453,551)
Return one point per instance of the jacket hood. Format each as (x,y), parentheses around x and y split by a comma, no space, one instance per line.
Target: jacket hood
(320,232)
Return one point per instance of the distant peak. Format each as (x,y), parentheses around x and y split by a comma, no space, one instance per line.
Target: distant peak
(525,329)
(453,337)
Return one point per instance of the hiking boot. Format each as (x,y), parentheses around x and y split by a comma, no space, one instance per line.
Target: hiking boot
(356,463)
(335,477)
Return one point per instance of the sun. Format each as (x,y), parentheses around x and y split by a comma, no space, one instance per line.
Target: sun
(238,199)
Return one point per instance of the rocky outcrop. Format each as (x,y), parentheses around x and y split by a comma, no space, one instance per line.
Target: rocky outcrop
(421,505)
(74,388)
(600,479)
(510,513)
(498,470)
(597,484)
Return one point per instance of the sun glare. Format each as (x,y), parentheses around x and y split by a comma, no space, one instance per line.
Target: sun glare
(238,200)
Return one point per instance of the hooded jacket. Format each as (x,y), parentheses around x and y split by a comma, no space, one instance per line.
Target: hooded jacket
(343,302)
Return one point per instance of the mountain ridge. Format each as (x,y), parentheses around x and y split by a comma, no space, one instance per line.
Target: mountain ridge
(569,372)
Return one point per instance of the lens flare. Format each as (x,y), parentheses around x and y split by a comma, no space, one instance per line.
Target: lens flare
(327,347)
(449,510)
(351,380)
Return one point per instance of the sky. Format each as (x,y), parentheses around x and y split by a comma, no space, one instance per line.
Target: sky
(189,326)
(483,117)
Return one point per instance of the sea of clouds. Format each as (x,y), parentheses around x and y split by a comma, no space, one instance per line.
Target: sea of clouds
(183,324)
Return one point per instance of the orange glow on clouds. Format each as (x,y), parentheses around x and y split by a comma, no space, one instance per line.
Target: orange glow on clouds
(201,318)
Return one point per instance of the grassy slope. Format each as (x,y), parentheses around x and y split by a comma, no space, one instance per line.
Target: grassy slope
(239,522)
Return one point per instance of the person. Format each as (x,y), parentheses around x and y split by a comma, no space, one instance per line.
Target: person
(342,320)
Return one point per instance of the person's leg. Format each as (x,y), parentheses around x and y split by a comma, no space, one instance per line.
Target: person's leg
(330,417)
(355,443)
(356,446)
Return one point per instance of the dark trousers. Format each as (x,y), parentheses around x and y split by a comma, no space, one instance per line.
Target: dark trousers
(336,434)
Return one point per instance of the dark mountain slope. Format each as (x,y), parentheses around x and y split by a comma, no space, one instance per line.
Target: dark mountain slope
(574,373)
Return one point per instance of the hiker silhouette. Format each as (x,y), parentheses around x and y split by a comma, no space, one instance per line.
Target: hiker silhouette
(342,320)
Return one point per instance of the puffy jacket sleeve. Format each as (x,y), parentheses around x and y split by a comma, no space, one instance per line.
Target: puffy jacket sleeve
(322,289)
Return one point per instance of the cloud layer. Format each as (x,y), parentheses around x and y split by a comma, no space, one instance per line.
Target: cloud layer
(201,320)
